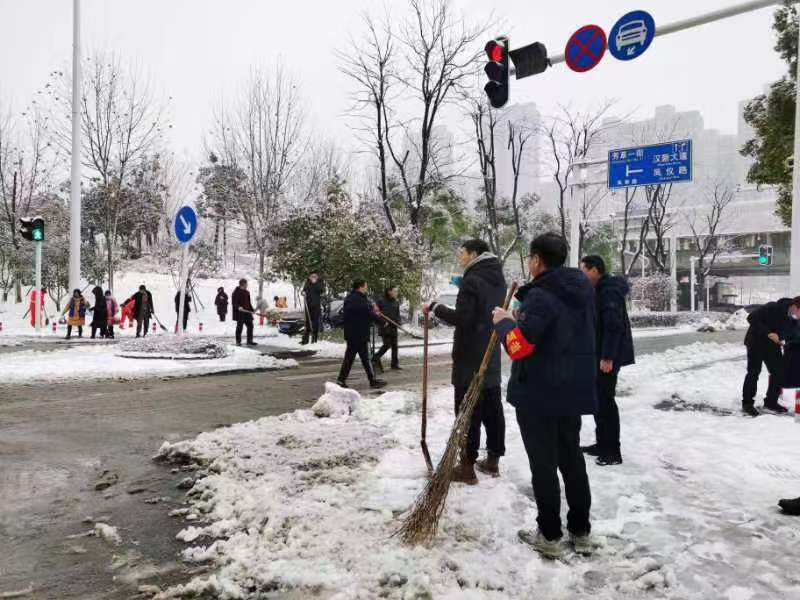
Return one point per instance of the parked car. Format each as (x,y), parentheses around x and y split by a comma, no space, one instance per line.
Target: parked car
(335,315)
(292,322)
(448,299)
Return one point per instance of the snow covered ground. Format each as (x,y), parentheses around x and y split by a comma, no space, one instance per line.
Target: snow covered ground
(309,504)
(102,361)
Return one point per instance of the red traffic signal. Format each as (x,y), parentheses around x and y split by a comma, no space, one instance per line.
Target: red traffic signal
(497,70)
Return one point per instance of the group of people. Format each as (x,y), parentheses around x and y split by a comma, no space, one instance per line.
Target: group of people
(567,334)
(104,312)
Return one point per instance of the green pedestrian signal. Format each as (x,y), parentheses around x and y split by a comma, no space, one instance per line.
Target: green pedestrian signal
(765,255)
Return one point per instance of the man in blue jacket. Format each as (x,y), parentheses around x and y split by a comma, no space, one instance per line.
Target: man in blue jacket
(769,326)
(552,347)
(359,314)
(614,351)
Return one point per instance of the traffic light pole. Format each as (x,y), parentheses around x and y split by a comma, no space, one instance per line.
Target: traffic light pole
(75,172)
(182,289)
(37,291)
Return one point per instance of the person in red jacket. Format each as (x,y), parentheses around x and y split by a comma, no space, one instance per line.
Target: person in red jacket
(32,308)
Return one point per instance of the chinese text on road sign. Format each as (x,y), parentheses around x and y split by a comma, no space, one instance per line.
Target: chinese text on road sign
(650,165)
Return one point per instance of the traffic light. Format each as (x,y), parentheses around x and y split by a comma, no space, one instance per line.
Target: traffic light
(497,70)
(32,228)
(765,255)
(529,60)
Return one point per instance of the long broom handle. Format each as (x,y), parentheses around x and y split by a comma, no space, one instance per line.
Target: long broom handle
(400,327)
(425,379)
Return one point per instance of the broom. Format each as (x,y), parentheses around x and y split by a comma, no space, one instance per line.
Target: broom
(422,522)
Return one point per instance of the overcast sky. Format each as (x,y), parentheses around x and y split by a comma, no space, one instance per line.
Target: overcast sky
(196,50)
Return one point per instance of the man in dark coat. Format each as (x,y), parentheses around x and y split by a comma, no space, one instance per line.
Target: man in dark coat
(142,310)
(389,307)
(221,302)
(99,313)
(614,351)
(359,314)
(313,290)
(187,299)
(553,382)
(242,310)
(482,288)
(769,326)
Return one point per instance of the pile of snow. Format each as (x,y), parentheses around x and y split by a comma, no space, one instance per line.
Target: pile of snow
(100,361)
(297,503)
(735,322)
(174,347)
(336,402)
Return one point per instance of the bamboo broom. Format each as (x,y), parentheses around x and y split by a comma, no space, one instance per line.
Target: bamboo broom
(421,524)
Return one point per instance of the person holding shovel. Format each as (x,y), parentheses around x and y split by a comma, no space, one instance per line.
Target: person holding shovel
(482,288)
(243,312)
(389,307)
(313,290)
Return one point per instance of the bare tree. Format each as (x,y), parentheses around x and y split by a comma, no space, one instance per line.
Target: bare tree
(370,67)
(519,137)
(570,136)
(660,221)
(589,203)
(704,223)
(484,123)
(27,164)
(264,134)
(629,206)
(121,123)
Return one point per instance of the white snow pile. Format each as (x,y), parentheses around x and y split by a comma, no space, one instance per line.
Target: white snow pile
(174,347)
(735,322)
(100,361)
(336,402)
(307,505)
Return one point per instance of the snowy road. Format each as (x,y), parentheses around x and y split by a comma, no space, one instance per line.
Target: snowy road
(56,440)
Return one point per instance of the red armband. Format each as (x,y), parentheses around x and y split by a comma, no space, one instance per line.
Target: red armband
(517,346)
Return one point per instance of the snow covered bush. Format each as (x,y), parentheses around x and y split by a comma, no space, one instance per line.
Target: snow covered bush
(336,402)
(653,292)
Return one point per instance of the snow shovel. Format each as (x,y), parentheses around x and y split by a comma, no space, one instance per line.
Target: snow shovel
(423,442)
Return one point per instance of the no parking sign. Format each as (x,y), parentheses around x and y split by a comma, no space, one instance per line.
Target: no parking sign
(585,48)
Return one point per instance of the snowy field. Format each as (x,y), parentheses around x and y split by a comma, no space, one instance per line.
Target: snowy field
(309,504)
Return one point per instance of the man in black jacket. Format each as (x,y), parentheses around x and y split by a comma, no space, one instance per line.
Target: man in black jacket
(481,289)
(359,314)
(142,310)
(221,302)
(553,382)
(769,326)
(614,351)
(242,309)
(187,307)
(313,290)
(389,307)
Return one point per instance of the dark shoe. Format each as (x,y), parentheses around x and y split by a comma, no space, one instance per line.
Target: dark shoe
(304,343)
(238,343)
(609,460)
(377,384)
(377,365)
(397,368)
(592,450)
(790,507)
(464,472)
(776,407)
(341,384)
(750,410)
(489,465)
(252,344)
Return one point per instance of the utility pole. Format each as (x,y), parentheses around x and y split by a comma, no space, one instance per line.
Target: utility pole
(794,277)
(37,292)
(692,299)
(75,173)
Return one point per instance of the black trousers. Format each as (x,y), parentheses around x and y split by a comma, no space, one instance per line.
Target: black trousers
(185,321)
(101,328)
(69,331)
(389,343)
(142,326)
(110,331)
(312,326)
(244,320)
(489,413)
(771,356)
(607,418)
(362,350)
(552,445)
(222,316)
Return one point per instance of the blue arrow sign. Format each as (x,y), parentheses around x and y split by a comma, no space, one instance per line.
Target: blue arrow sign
(631,35)
(650,165)
(185,224)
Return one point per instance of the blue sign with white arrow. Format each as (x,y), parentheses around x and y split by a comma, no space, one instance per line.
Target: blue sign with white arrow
(185,224)
(670,162)
(631,35)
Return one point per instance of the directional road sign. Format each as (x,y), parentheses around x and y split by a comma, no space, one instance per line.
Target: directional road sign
(631,35)
(585,48)
(670,162)
(185,224)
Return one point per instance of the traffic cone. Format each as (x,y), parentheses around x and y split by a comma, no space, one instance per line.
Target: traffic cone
(54,326)
(797,405)
(154,328)
(201,327)
(1,327)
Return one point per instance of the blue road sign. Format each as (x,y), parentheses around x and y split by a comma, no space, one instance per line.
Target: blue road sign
(650,165)
(585,48)
(185,224)
(631,35)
